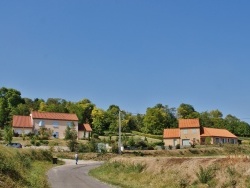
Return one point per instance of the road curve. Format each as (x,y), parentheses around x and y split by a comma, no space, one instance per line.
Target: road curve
(71,175)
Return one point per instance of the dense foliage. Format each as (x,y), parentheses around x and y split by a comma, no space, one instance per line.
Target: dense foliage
(106,121)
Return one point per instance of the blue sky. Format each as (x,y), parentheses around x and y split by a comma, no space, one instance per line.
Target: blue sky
(134,54)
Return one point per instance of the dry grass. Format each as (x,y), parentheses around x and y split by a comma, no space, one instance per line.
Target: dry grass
(179,172)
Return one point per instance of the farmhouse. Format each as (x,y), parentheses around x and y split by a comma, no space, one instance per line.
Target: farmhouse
(190,132)
(56,122)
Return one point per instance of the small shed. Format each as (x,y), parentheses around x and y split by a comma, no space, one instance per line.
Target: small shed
(84,131)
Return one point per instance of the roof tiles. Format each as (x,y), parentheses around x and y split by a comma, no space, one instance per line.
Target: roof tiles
(171,133)
(54,116)
(22,121)
(189,123)
(84,127)
(217,132)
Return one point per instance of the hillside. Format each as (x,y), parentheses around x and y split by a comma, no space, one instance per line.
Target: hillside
(216,172)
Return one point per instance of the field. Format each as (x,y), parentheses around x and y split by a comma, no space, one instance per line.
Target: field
(205,166)
(159,172)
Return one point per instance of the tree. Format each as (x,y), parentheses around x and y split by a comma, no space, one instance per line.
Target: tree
(112,118)
(231,123)
(71,136)
(9,99)
(187,111)
(21,109)
(86,107)
(128,122)
(4,112)
(54,105)
(205,119)
(98,123)
(8,134)
(155,120)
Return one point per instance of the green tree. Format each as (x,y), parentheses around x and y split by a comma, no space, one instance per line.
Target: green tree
(129,122)
(9,99)
(71,136)
(205,119)
(21,109)
(112,118)
(86,107)
(98,123)
(155,120)
(8,134)
(4,112)
(54,105)
(186,111)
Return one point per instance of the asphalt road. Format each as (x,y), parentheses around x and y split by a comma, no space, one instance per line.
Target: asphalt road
(71,175)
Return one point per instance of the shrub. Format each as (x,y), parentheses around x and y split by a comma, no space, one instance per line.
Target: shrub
(178,146)
(38,143)
(95,136)
(208,140)
(83,148)
(183,183)
(170,147)
(205,174)
(72,144)
(32,141)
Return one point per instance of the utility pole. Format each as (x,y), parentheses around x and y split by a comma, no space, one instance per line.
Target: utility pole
(119,141)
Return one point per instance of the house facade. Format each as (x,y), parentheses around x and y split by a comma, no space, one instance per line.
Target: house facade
(190,132)
(56,122)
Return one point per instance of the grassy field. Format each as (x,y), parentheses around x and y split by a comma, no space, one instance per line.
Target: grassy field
(185,168)
(162,172)
(24,167)
(215,167)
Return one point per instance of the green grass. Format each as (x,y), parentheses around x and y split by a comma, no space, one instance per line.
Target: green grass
(24,167)
(36,177)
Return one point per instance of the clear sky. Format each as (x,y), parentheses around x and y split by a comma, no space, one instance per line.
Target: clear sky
(133,54)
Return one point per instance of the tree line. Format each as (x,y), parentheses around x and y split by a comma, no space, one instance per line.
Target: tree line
(103,121)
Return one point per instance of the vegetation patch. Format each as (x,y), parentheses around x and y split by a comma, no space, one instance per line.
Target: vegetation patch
(140,172)
(24,167)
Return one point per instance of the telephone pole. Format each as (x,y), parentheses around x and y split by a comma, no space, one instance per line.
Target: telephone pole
(119,141)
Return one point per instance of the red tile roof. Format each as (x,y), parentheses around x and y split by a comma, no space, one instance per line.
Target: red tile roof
(171,133)
(84,127)
(212,132)
(189,123)
(87,127)
(54,116)
(22,122)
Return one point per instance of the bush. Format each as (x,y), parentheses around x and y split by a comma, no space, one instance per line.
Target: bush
(38,143)
(148,135)
(178,146)
(32,141)
(83,148)
(205,174)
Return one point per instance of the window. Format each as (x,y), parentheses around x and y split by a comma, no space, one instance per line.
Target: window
(194,131)
(185,131)
(55,124)
(41,123)
(217,140)
(56,134)
(69,124)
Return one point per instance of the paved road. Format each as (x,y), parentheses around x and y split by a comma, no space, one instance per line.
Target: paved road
(71,175)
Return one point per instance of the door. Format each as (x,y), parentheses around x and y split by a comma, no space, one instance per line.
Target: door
(185,142)
(175,142)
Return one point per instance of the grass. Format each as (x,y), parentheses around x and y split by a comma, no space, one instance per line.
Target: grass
(24,167)
(175,172)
